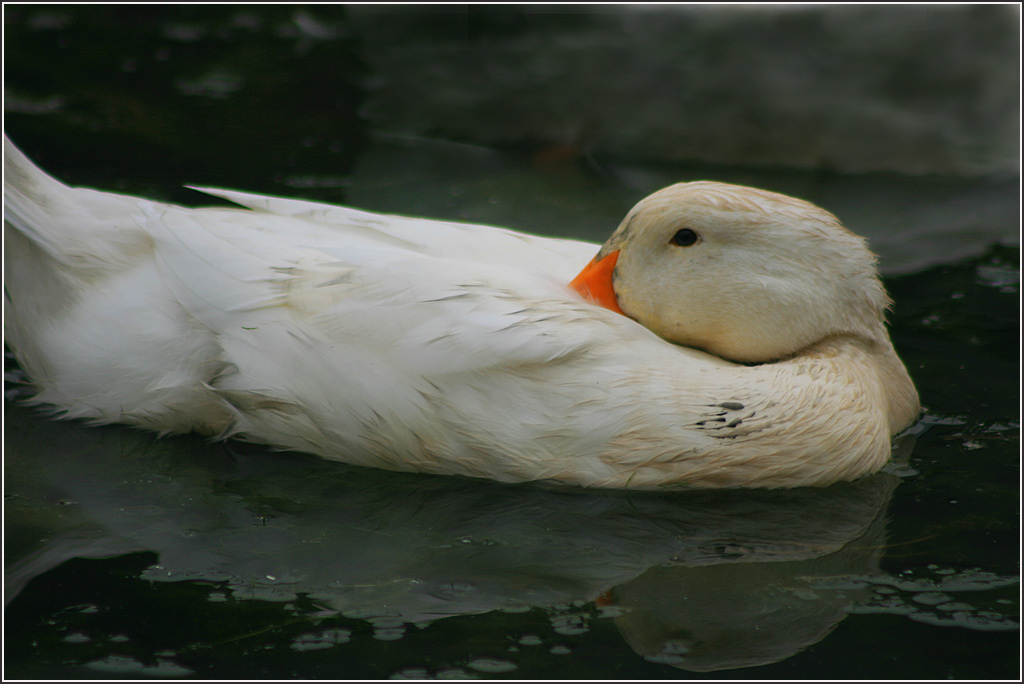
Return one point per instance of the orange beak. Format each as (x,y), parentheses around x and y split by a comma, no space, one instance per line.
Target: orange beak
(595,282)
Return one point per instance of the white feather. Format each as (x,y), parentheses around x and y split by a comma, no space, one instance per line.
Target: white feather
(401,343)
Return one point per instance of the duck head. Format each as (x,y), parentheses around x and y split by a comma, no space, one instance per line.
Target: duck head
(746,274)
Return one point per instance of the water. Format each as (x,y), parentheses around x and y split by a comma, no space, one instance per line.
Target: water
(128,556)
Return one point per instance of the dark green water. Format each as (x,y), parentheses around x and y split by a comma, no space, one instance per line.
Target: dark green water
(136,557)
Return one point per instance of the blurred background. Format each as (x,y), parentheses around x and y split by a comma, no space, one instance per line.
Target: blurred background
(844,88)
(931,89)
(129,556)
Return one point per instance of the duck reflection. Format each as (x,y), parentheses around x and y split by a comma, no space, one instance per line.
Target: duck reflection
(702,580)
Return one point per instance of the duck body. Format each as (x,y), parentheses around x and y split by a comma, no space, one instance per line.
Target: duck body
(409,344)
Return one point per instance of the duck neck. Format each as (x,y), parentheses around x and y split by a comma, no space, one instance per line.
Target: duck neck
(904,404)
(878,361)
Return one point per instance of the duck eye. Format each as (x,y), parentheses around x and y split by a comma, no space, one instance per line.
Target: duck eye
(684,238)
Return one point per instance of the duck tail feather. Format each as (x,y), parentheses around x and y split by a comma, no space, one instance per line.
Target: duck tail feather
(28,192)
(77,227)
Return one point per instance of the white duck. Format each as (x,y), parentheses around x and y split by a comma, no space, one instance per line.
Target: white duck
(420,345)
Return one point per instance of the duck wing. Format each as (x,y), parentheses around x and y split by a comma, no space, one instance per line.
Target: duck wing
(376,353)
(560,258)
